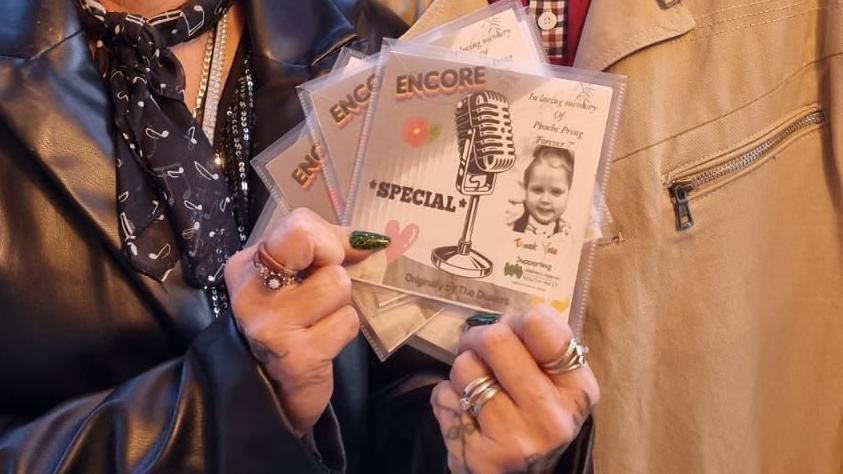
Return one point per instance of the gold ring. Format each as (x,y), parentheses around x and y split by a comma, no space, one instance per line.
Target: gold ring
(275,275)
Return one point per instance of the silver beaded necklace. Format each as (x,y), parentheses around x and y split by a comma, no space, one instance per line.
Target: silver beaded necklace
(206,70)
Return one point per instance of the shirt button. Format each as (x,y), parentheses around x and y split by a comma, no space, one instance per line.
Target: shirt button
(547,20)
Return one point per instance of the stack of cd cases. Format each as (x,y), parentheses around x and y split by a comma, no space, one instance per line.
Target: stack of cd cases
(485,165)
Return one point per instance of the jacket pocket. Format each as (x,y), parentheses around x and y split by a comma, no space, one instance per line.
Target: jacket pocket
(699,178)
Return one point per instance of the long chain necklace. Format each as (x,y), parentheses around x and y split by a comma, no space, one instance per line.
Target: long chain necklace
(209,120)
(206,72)
(235,140)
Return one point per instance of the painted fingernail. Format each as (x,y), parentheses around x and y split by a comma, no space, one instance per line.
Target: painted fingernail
(482,319)
(362,240)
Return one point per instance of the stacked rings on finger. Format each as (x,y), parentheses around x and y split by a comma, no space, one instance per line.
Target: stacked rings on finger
(477,393)
(572,359)
(274,275)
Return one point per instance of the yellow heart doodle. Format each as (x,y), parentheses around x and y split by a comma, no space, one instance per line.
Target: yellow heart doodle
(558,305)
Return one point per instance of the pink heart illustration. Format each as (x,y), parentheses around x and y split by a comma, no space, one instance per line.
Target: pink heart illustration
(402,239)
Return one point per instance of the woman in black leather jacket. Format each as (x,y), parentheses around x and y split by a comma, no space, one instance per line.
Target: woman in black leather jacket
(106,369)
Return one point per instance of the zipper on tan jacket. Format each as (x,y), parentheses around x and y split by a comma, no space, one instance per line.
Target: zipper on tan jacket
(682,189)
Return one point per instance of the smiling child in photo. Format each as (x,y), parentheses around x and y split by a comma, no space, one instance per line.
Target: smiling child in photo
(547,183)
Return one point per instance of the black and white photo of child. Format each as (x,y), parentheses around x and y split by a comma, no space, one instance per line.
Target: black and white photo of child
(547,185)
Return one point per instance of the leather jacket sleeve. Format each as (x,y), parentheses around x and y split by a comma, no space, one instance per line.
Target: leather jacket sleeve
(211,410)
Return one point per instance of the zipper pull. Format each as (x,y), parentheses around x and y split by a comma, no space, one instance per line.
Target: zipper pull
(679,193)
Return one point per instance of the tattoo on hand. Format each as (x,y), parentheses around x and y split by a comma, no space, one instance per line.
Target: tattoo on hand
(463,426)
(262,353)
(535,464)
(459,432)
(543,463)
(259,351)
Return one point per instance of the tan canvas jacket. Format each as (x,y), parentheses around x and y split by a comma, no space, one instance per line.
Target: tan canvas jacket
(719,347)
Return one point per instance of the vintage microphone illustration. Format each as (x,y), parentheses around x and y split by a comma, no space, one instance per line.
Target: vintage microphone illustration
(487,147)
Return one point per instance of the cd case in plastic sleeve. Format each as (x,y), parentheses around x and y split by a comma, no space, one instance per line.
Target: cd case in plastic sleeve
(453,140)
(292,170)
(335,104)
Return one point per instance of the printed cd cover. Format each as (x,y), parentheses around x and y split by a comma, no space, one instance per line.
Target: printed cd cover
(486,172)
(292,169)
(335,103)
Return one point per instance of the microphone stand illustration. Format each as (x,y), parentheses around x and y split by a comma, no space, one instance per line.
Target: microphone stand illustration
(487,147)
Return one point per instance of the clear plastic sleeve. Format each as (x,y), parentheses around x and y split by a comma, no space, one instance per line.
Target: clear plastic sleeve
(565,115)
(305,184)
(503,30)
(388,326)
(505,26)
(457,35)
(335,103)
(347,55)
(603,219)
(440,337)
(292,169)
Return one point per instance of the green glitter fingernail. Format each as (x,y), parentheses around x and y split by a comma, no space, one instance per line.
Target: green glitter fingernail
(482,319)
(362,240)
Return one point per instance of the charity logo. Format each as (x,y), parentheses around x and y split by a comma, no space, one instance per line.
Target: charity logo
(513,269)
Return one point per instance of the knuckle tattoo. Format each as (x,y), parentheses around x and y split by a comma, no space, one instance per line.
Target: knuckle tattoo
(461,430)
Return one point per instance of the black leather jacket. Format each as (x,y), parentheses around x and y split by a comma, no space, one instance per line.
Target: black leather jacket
(101,368)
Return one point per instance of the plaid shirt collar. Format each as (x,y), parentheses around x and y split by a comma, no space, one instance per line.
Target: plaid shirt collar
(552,18)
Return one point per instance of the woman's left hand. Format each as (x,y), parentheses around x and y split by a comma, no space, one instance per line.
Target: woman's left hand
(529,422)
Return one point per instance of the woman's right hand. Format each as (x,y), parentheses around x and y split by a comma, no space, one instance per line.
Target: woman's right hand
(295,332)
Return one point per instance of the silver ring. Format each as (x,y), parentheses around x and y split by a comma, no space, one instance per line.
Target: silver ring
(477,393)
(482,398)
(473,390)
(573,358)
(474,384)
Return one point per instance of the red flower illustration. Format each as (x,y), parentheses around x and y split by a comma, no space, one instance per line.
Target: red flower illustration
(416,131)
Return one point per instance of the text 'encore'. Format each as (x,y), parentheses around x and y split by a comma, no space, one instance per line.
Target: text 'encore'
(433,83)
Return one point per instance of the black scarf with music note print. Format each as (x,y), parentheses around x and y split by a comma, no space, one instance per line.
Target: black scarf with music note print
(173,199)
